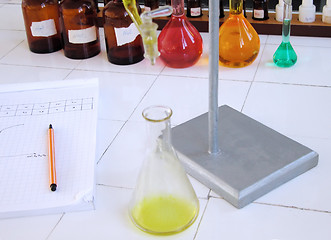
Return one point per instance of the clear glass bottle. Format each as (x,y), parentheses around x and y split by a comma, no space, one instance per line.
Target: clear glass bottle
(179,43)
(42,26)
(239,43)
(164,201)
(151,4)
(123,41)
(260,10)
(80,29)
(194,9)
(285,55)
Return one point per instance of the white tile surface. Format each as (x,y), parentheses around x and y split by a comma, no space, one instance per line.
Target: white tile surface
(9,40)
(259,222)
(106,132)
(119,93)
(316,59)
(37,228)
(12,73)
(291,109)
(188,97)
(110,220)
(295,101)
(21,55)
(11,17)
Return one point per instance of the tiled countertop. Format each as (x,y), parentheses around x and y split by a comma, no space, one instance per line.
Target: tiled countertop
(294,101)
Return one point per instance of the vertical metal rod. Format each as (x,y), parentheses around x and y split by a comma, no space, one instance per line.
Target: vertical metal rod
(213,117)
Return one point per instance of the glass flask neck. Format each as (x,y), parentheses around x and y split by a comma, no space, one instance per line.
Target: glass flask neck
(158,127)
(236,6)
(178,7)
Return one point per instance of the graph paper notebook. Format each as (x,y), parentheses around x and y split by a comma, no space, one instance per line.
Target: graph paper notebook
(26,110)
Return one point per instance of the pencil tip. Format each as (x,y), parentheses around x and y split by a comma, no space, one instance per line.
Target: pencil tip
(53,187)
(50,126)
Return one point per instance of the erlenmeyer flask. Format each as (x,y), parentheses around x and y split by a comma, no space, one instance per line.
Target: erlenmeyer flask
(180,43)
(239,44)
(163,201)
(285,55)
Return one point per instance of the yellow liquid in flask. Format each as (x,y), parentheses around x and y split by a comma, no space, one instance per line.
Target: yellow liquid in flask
(164,214)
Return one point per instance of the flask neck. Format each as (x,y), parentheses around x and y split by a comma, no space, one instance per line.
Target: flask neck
(178,7)
(158,127)
(236,6)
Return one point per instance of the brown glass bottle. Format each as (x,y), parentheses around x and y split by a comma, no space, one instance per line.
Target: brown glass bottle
(194,8)
(221,9)
(41,19)
(80,30)
(260,10)
(123,41)
(151,4)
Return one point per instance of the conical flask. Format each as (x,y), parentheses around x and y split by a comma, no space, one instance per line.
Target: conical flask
(180,43)
(239,43)
(285,55)
(163,201)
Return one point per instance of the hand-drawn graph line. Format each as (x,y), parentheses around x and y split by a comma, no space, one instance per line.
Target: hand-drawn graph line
(46,107)
(6,128)
(26,155)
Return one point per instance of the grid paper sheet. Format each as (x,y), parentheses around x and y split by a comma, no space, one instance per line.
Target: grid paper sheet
(26,110)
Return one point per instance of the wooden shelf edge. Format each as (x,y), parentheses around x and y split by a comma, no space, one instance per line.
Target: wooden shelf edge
(268,27)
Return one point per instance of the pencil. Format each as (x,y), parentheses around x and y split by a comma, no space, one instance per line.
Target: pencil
(51,159)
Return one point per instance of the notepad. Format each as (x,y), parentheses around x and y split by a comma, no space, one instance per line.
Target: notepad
(26,110)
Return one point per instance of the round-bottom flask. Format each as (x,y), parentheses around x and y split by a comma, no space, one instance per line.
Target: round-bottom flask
(180,43)
(239,43)
(163,201)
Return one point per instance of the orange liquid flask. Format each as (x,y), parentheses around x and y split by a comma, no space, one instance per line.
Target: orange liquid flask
(239,44)
(180,43)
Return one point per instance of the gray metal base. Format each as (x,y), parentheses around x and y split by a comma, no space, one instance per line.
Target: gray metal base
(254,159)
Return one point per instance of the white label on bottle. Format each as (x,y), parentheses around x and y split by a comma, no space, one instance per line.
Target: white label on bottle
(43,29)
(259,14)
(82,35)
(126,35)
(195,11)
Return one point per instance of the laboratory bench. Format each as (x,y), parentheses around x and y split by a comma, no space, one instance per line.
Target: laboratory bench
(294,101)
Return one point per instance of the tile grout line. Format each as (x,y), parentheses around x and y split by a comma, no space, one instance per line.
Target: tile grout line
(48,236)
(250,86)
(294,207)
(126,121)
(11,49)
(202,215)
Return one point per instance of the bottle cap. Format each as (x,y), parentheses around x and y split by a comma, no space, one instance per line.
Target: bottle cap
(326,16)
(281,2)
(307,11)
(307,3)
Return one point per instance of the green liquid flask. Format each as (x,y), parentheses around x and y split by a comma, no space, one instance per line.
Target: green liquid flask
(285,55)
(163,201)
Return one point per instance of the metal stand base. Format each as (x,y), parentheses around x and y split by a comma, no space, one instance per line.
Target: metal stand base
(254,159)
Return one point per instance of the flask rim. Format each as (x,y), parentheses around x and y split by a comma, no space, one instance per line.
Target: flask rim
(157,113)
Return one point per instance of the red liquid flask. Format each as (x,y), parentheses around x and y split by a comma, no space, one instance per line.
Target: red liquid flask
(179,43)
